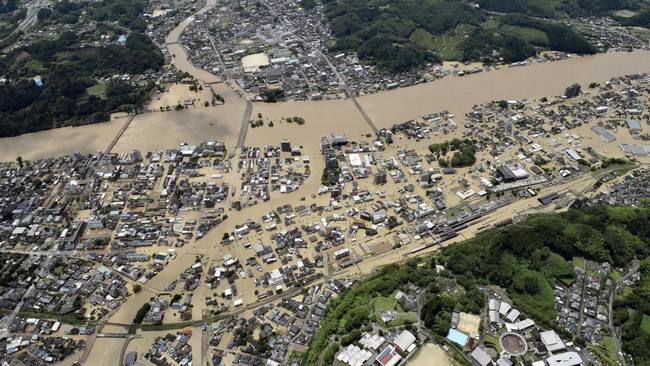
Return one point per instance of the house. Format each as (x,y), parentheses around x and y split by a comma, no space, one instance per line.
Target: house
(633,125)
(388,357)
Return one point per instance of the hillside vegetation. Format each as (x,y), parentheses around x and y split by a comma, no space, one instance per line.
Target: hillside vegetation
(526,259)
(400,35)
(70,93)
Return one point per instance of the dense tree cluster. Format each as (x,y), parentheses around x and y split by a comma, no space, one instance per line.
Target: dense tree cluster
(125,12)
(464,153)
(527,258)
(9,22)
(481,44)
(560,37)
(641,19)
(402,35)
(141,313)
(347,313)
(436,311)
(65,12)
(8,6)
(379,31)
(66,71)
(633,313)
(550,8)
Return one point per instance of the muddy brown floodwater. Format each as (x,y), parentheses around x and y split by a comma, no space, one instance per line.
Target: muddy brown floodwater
(455,94)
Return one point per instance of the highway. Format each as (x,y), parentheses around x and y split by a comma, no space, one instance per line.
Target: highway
(31,17)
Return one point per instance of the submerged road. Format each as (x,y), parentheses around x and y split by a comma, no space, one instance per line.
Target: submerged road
(120,132)
(244,124)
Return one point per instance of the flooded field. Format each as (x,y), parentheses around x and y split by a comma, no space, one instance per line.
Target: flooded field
(321,119)
(252,63)
(178,94)
(104,352)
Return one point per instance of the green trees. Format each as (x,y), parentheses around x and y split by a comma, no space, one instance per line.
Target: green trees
(464,152)
(382,31)
(527,258)
(543,8)
(560,37)
(480,44)
(379,32)
(633,312)
(142,312)
(62,99)
(349,312)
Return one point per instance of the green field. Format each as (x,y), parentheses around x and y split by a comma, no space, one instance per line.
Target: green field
(627,290)
(645,324)
(493,341)
(534,36)
(542,304)
(610,345)
(579,262)
(606,351)
(450,45)
(98,90)
(422,38)
(381,304)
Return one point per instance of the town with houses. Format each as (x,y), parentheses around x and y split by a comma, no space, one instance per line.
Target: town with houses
(215,254)
(85,236)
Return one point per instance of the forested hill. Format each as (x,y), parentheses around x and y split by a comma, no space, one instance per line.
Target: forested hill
(526,259)
(60,81)
(399,35)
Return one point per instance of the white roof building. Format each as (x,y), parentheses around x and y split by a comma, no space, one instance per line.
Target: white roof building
(552,341)
(565,359)
(404,340)
(513,315)
(481,357)
(504,308)
(494,316)
(520,325)
(354,356)
(493,304)
(372,341)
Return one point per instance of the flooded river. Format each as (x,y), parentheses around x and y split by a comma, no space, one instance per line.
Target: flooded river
(455,94)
